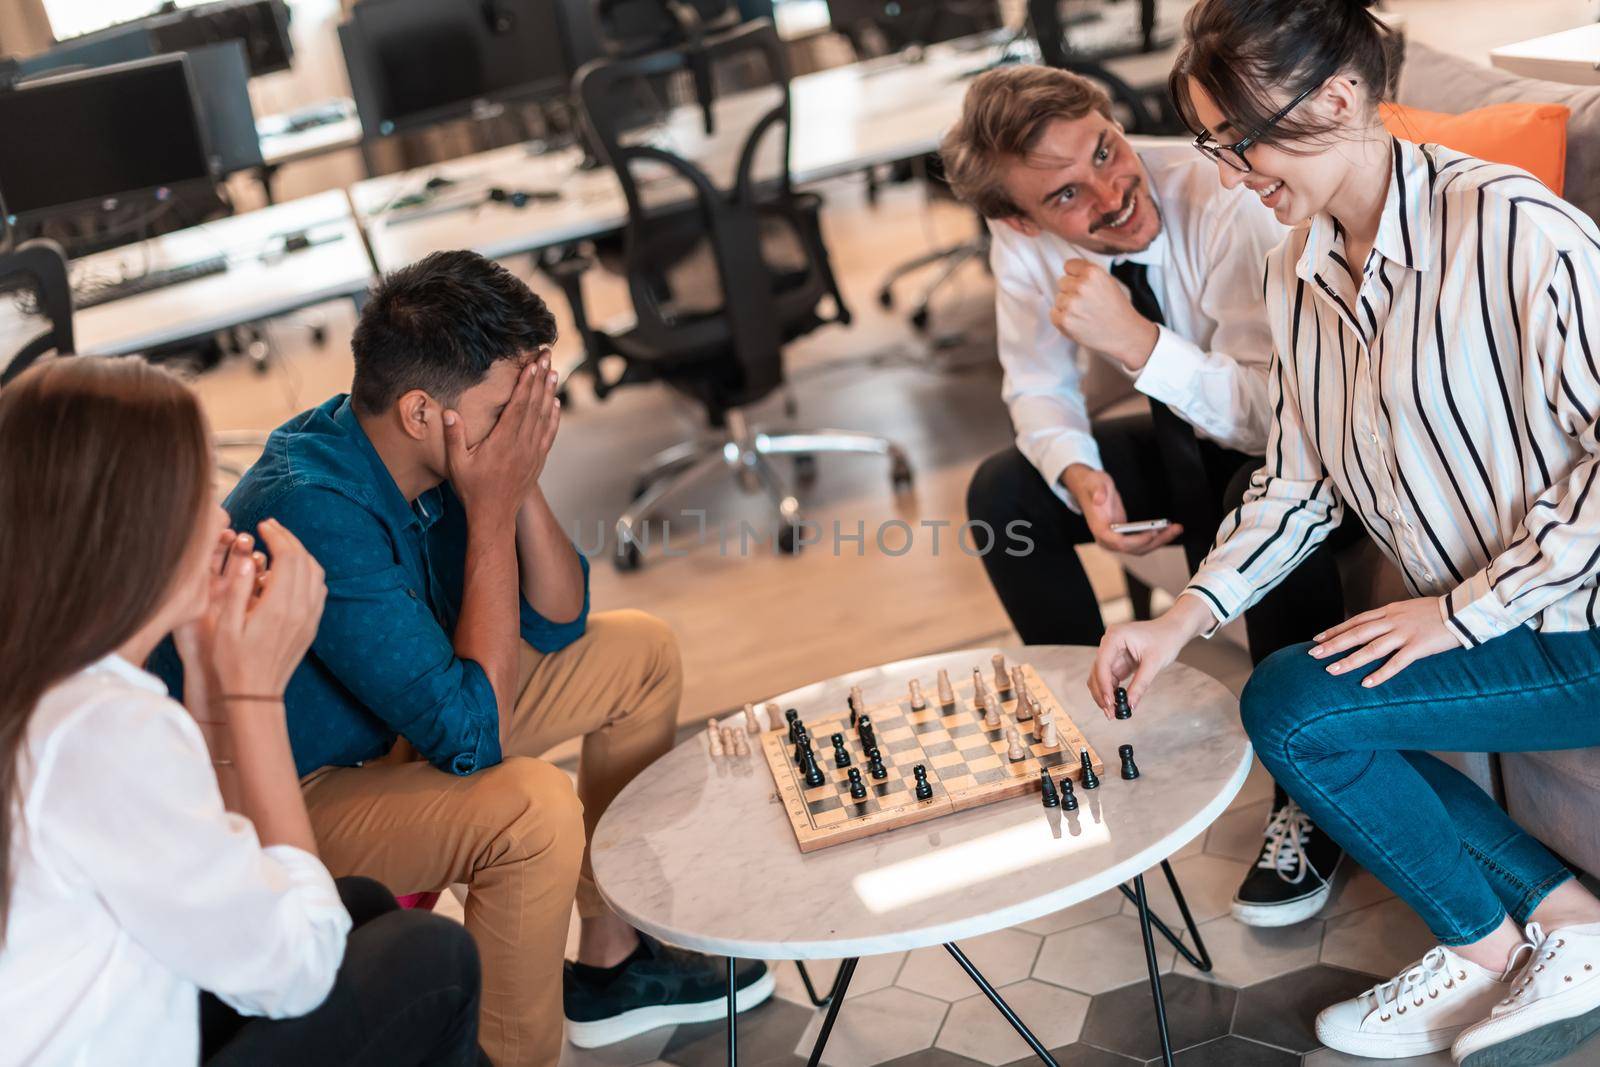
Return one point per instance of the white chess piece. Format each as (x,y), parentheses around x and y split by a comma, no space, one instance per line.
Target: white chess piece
(714,738)
(918,701)
(947,694)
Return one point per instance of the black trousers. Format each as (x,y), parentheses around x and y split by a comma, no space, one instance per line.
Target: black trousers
(1047,593)
(406,996)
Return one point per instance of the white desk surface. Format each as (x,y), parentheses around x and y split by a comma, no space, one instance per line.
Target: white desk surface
(844,119)
(698,851)
(1571,56)
(254,287)
(280,145)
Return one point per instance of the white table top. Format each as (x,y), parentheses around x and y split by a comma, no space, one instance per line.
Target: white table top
(1570,56)
(844,119)
(698,851)
(280,145)
(257,285)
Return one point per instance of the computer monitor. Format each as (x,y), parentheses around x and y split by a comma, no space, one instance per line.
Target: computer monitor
(101,136)
(908,22)
(262,26)
(414,63)
(118,44)
(222,74)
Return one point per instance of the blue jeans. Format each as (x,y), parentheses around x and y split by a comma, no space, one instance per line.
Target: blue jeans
(1357,761)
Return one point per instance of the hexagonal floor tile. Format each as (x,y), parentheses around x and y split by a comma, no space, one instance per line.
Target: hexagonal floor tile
(1088,911)
(1098,956)
(1124,1020)
(767,1036)
(1244,955)
(876,1027)
(1003,957)
(872,973)
(1237,834)
(1378,940)
(1283,1011)
(1234,1052)
(1353,889)
(1208,884)
(976,1029)
(644,1048)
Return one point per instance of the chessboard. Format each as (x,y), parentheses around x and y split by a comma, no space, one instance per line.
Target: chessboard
(967,763)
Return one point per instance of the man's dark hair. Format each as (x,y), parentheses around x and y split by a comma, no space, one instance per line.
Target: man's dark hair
(439,325)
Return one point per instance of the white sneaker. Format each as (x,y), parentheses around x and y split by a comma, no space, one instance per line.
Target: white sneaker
(1419,1011)
(1553,1005)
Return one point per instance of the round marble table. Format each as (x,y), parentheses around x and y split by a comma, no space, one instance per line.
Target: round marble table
(698,852)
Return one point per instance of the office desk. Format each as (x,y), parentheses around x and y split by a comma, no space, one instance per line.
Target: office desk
(280,145)
(1571,56)
(254,287)
(845,119)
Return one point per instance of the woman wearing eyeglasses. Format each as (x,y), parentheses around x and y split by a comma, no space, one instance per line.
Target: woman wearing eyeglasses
(1435,319)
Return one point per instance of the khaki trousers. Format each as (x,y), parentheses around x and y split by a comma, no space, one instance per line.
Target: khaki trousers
(517,832)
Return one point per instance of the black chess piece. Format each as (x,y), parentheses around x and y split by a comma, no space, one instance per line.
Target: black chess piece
(1129,770)
(814,775)
(802,741)
(858,788)
(924,790)
(795,725)
(1123,711)
(841,757)
(864,731)
(1052,799)
(1090,779)
(875,766)
(1069,799)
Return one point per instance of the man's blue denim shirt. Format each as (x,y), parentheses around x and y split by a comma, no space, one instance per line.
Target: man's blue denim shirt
(382,664)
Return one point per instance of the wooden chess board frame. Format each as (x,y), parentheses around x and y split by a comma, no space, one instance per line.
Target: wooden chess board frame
(966,762)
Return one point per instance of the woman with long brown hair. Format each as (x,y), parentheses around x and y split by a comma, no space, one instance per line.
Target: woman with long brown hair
(148,850)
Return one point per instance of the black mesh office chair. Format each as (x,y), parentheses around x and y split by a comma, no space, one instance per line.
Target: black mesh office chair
(35,273)
(722,276)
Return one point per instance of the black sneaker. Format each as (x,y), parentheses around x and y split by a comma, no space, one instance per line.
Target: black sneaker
(1294,876)
(657,986)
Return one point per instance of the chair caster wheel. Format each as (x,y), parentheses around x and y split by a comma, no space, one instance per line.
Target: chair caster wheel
(901,479)
(919,320)
(885,299)
(628,557)
(789,540)
(805,470)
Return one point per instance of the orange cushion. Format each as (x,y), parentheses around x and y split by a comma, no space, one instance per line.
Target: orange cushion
(1530,136)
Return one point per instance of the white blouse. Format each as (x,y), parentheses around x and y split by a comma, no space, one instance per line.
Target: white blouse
(134,889)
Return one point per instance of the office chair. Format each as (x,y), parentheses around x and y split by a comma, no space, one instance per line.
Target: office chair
(715,334)
(39,266)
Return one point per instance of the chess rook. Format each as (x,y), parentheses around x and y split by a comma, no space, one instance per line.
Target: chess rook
(1086,764)
(1129,770)
(1122,711)
(947,695)
(918,701)
(1002,677)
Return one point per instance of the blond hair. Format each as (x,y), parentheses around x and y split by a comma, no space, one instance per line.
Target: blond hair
(1005,113)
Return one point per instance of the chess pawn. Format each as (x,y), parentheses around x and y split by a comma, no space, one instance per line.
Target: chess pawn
(752,723)
(730,740)
(841,756)
(741,747)
(1086,764)
(1049,735)
(714,738)
(947,694)
(918,701)
(991,712)
(924,790)
(1123,711)
(980,690)
(1069,799)
(1002,677)
(1129,770)
(1014,749)
(858,788)
(774,717)
(875,765)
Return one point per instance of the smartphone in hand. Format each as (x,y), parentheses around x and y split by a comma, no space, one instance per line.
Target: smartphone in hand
(1142,526)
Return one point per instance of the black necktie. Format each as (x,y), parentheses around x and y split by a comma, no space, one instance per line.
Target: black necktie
(1195,503)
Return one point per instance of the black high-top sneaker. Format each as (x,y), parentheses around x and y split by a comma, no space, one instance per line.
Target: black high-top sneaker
(1294,876)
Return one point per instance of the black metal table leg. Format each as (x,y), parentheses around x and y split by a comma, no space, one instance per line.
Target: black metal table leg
(733,1016)
(811,990)
(999,1002)
(1155,969)
(1199,958)
(840,984)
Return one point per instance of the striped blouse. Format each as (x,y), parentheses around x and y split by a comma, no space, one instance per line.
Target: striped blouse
(1450,400)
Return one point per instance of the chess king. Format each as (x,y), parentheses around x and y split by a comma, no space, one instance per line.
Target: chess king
(1136,257)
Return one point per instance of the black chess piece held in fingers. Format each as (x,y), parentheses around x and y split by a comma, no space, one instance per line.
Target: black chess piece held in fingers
(1123,711)
(1129,770)
(1090,779)
(924,789)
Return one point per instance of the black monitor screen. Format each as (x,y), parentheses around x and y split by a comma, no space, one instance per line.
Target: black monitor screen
(101,134)
(261,25)
(429,60)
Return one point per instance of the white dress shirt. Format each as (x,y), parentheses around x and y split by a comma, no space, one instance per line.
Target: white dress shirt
(134,888)
(1209,364)
(1450,399)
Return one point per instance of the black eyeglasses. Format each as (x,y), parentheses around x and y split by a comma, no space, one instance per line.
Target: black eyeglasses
(1233,154)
